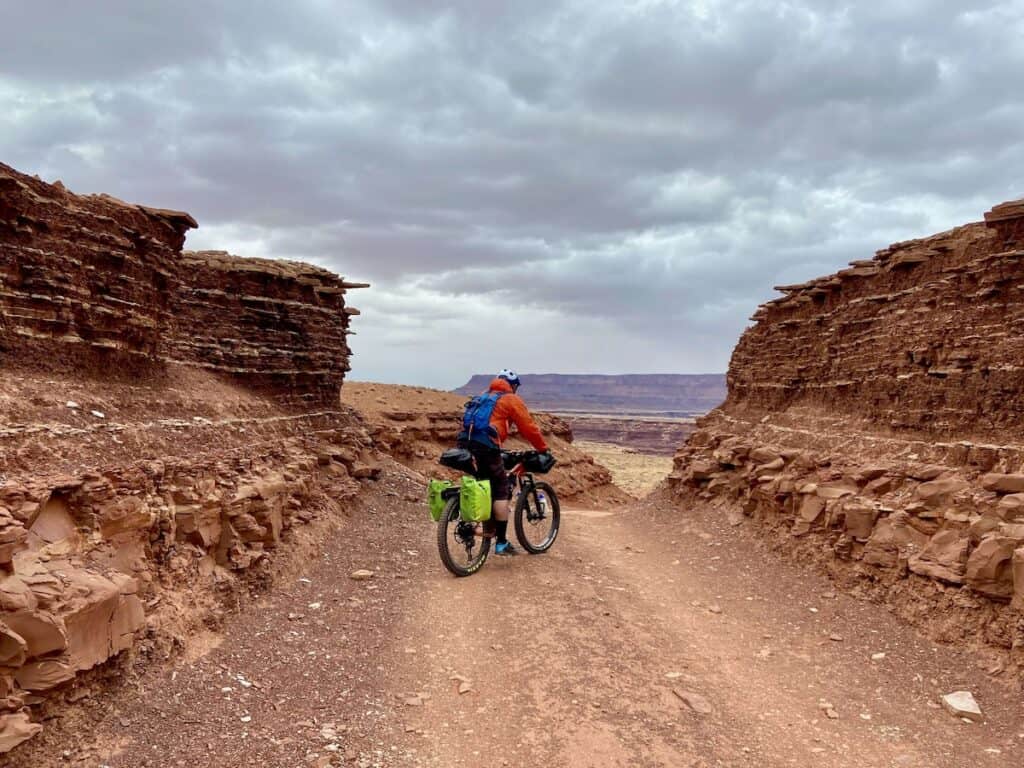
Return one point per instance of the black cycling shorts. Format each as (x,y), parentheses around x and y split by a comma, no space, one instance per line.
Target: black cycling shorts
(489,466)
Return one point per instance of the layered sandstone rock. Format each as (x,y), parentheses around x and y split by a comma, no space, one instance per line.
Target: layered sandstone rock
(84,275)
(277,326)
(874,418)
(97,284)
(166,421)
(649,435)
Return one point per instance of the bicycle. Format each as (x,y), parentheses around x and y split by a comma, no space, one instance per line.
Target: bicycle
(536,513)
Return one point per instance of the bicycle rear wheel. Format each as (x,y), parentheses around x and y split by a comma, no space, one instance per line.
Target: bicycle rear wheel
(462,551)
(537,524)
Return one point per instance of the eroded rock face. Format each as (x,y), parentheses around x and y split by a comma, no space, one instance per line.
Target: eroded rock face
(166,421)
(277,326)
(876,415)
(91,275)
(102,285)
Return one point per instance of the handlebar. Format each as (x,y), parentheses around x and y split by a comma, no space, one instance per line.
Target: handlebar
(531,460)
(519,455)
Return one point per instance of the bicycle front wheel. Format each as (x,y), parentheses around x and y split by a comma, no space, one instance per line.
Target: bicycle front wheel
(537,523)
(461,548)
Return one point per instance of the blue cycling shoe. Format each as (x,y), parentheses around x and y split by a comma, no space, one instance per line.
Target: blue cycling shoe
(505,548)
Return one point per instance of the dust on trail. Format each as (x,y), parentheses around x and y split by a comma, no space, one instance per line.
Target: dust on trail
(565,659)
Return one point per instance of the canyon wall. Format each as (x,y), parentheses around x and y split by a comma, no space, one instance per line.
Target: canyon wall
(93,283)
(280,327)
(167,420)
(648,435)
(873,424)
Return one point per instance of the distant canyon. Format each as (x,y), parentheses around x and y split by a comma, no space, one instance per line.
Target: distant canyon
(648,413)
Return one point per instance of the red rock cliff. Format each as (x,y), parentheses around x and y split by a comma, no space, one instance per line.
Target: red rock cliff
(88,276)
(92,282)
(144,469)
(277,326)
(874,423)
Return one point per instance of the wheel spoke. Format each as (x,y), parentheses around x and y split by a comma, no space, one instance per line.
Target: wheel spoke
(537,526)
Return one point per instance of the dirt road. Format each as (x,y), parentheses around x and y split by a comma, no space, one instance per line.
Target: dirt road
(581,657)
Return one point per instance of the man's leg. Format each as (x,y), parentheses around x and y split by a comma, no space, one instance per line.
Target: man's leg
(501,520)
(500,491)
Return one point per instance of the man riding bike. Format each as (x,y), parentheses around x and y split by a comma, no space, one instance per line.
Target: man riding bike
(485,427)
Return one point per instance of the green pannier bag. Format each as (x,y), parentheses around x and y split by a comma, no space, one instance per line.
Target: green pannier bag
(434,489)
(475,499)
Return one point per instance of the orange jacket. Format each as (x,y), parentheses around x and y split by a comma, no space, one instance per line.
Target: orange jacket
(510,408)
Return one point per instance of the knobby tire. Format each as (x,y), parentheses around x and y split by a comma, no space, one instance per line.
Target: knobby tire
(449,519)
(527,500)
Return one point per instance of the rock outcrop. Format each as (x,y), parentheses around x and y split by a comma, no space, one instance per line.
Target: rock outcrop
(414,425)
(279,327)
(167,420)
(647,435)
(873,423)
(93,283)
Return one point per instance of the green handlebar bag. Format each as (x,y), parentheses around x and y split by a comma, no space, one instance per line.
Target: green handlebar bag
(475,499)
(434,489)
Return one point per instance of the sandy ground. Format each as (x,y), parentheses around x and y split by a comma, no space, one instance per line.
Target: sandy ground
(636,473)
(580,658)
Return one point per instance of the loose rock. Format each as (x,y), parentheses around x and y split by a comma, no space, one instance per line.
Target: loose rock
(962,704)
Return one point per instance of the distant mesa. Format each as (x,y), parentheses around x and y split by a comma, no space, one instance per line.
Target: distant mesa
(648,413)
(662,394)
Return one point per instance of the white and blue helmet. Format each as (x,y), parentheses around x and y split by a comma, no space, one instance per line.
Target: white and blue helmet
(510,376)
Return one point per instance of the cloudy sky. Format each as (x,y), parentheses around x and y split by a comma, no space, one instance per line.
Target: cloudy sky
(550,185)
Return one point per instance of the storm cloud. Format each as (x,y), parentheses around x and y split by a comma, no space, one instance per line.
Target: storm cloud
(557,186)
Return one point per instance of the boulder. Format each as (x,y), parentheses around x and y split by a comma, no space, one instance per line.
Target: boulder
(16,728)
(1018,578)
(944,557)
(198,524)
(702,470)
(939,493)
(366,471)
(13,648)
(100,620)
(879,486)
(45,674)
(962,704)
(835,490)
(984,525)
(128,513)
(925,473)
(764,456)
(1011,507)
(1003,483)
(990,568)
(893,540)
(869,474)
(859,518)
(43,632)
(808,515)
(16,596)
